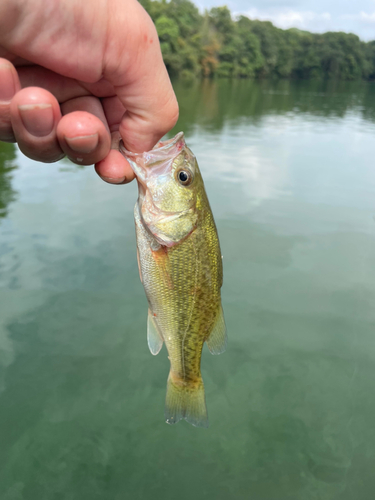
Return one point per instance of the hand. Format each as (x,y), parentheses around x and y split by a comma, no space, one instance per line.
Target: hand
(76,75)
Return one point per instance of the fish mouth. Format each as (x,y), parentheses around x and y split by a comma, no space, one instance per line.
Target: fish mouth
(158,155)
(149,164)
(167,146)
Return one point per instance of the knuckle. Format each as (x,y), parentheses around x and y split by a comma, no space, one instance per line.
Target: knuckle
(170,114)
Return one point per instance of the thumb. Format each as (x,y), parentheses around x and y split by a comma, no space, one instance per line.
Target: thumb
(139,76)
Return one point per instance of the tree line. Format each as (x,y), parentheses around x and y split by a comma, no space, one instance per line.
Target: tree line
(214,44)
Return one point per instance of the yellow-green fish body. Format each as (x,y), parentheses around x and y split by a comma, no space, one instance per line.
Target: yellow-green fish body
(180,267)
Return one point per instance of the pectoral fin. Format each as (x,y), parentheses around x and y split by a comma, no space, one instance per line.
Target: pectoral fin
(154,339)
(217,341)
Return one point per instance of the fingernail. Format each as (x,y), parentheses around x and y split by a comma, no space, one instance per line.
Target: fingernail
(111,180)
(8,85)
(37,118)
(83,144)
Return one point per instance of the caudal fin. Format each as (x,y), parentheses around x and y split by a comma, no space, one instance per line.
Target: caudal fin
(186,401)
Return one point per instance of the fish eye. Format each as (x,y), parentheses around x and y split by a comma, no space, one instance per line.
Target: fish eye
(185,178)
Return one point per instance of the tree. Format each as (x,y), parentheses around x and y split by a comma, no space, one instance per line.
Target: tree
(214,44)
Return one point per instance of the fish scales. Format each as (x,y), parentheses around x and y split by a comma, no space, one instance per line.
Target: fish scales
(180,267)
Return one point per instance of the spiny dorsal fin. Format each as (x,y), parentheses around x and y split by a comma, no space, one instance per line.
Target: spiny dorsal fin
(154,339)
(217,341)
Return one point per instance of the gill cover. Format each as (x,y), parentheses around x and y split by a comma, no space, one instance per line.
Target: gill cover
(167,177)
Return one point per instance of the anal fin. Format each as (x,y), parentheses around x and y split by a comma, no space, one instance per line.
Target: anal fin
(154,339)
(217,340)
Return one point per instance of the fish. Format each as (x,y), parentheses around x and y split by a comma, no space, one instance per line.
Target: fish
(180,267)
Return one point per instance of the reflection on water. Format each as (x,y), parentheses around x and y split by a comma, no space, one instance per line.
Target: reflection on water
(7,165)
(288,170)
(215,102)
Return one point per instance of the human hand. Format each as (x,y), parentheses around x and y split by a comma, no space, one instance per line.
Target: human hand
(76,76)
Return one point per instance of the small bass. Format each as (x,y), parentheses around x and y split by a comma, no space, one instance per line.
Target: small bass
(180,266)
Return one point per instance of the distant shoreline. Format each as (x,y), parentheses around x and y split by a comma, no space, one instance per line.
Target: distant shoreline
(214,45)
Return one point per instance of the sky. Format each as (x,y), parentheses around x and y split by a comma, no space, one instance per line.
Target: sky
(351,16)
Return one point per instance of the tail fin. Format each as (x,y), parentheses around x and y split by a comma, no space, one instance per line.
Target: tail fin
(186,401)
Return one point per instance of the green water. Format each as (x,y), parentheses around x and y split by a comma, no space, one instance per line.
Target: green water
(289,170)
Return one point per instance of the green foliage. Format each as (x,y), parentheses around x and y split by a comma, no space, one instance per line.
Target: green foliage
(7,164)
(215,44)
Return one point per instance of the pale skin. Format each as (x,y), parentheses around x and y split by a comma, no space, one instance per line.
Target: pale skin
(78,75)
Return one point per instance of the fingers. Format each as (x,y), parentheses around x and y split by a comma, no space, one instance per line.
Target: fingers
(83,132)
(34,121)
(118,51)
(114,111)
(9,86)
(84,136)
(34,114)
(62,87)
(114,169)
(114,43)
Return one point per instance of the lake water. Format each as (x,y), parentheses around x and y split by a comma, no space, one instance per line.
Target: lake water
(289,170)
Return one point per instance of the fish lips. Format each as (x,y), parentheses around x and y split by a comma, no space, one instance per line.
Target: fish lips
(162,155)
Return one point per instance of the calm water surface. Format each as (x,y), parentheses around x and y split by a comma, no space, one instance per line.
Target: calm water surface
(289,170)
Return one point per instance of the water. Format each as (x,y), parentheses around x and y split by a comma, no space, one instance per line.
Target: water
(290,175)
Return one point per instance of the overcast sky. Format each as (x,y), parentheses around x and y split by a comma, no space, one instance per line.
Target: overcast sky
(354,16)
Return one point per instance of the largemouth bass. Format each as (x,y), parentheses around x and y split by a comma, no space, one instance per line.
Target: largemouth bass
(180,266)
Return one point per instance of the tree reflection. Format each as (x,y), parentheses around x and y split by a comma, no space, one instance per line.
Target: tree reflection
(212,103)
(7,165)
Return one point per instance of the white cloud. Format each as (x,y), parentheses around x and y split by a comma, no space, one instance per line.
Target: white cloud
(288,18)
(351,16)
(370,18)
(362,17)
